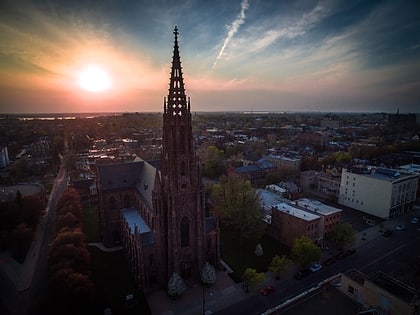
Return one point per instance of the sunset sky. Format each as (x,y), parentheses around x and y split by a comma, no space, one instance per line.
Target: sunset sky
(237,55)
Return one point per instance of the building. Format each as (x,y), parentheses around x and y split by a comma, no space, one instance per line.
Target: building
(284,162)
(157,210)
(330,216)
(324,183)
(380,293)
(4,157)
(289,222)
(381,192)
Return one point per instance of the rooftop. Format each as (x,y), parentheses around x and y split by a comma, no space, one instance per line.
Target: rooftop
(296,212)
(134,220)
(317,206)
(395,287)
(269,199)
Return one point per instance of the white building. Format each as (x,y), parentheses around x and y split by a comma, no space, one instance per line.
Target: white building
(4,157)
(381,192)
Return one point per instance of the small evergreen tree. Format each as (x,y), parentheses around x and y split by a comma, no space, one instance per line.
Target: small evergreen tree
(208,274)
(176,286)
(259,250)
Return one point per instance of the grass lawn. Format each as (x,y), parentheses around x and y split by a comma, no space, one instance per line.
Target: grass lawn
(90,224)
(113,282)
(241,257)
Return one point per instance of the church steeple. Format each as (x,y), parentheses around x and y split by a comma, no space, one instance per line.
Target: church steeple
(176,104)
(178,153)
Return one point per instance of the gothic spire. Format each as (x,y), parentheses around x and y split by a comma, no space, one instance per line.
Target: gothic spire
(176,104)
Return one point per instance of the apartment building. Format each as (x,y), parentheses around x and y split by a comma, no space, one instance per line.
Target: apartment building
(329,216)
(289,222)
(381,192)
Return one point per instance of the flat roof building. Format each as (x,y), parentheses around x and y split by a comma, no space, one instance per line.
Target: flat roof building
(289,222)
(381,192)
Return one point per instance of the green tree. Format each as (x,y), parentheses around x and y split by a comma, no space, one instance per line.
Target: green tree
(212,159)
(279,264)
(252,277)
(304,251)
(237,204)
(342,235)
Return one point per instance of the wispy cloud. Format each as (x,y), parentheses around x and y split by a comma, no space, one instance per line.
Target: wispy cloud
(265,38)
(233,29)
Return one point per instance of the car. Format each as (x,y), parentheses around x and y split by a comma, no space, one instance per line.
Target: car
(268,290)
(341,255)
(350,251)
(414,220)
(315,267)
(387,233)
(400,227)
(302,273)
(329,261)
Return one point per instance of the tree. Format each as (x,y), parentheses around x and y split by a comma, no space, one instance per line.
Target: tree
(212,158)
(208,274)
(252,277)
(237,204)
(342,235)
(176,286)
(258,250)
(279,264)
(67,220)
(304,251)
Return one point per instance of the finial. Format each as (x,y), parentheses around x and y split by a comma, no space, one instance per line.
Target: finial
(176,31)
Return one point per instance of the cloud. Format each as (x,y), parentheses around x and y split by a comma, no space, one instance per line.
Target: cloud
(233,29)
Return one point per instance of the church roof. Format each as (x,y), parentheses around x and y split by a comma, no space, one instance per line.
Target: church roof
(138,175)
(211,224)
(134,220)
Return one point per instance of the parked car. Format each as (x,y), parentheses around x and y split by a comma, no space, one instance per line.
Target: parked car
(414,220)
(315,267)
(302,273)
(400,227)
(341,255)
(350,251)
(268,290)
(387,233)
(329,261)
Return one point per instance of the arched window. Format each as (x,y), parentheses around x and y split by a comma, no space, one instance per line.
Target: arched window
(127,202)
(185,232)
(112,203)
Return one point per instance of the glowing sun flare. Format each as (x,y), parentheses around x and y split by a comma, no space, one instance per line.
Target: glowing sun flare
(94,79)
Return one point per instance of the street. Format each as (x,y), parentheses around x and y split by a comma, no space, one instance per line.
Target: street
(392,255)
(20,297)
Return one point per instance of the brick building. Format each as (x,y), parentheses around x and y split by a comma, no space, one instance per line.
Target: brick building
(289,222)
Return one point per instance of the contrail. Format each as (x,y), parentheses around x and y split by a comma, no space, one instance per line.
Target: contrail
(233,29)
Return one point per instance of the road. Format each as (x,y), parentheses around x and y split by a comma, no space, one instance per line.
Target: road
(394,255)
(22,296)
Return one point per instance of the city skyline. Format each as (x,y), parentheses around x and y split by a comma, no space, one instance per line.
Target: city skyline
(240,55)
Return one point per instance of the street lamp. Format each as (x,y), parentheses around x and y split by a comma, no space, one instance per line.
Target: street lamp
(204,301)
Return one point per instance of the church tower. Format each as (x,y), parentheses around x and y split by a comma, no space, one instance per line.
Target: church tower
(183,194)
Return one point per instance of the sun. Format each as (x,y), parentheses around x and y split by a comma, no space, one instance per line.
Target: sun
(94,79)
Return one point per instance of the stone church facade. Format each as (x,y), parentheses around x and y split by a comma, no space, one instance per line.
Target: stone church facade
(157,210)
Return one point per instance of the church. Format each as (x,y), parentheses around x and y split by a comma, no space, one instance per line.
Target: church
(157,210)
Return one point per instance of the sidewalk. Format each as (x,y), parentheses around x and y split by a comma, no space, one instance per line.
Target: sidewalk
(375,231)
(223,293)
